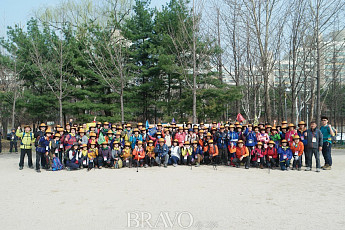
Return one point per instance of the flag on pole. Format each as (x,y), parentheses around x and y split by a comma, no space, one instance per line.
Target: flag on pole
(240,118)
(147,124)
(173,120)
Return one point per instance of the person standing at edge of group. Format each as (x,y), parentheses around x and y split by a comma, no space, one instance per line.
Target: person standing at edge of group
(40,133)
(314,146)
(27,139)
(327,133)
(13,141)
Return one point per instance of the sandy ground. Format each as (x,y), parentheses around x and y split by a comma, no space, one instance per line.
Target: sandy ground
(227,198)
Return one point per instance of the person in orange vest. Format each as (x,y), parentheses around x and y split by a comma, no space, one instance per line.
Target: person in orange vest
(242,155)
(297,149)
(211,152)
(150,153)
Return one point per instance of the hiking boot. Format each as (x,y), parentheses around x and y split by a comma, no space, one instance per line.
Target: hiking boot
(31,167)
(197,165)
(287,168)
(38,170)
(174,165)
(21,168)
(246,167)
(308,169)
(145,166)
(327,167)
(237,166)
(261,166)
(165,165)
(317,170)
(112,167)
(100,167)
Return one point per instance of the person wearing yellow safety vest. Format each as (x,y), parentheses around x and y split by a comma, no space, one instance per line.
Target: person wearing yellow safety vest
(27,139)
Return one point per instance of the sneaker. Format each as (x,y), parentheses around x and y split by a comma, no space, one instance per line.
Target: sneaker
(145,166)
(327,167)
(100,167)
(21,168)
(31,167)
(174,165)
(197,165)
(38,170)
(308,169)
(246,167)
(317,170)
(165,166)
(112,167)
(287,169)
(237,166)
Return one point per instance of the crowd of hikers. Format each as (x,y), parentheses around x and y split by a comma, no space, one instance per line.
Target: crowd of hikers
(104,145)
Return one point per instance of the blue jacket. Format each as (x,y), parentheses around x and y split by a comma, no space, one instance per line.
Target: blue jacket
(233,137)
(43,145)
(250,138)
(304,139)
(133,139)
(221,140)
(197,151)
(281,152)
(161,151)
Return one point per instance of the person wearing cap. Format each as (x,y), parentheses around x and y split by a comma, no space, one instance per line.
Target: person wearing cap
(126,156)
(197,153)
(275,136)
(314,145)
(74,155)
(70,139)
(162,156)
(92,129)
(144,135)
(221,138)
(43,149)
(257,155)
(92,155)
(175,153)
(186,152)
(150,153)
(302,132)
(93,138)
(285,155)
(297,149)
(27,139)
(119,139)
(103,133)
(127,133)
(13,141)
(211,154)
(263,137)
(40,133)
(271,155)
(83,154)
(139,154)
(104,155)
(180,136)
(110,136)
(54,147)
(250,137)
(82,138)
(290,133)
(168,138)
(135,137)
(242,155)
(116,155)
(140,126)
(283,132)
(160,129)
(188,136)
(327,133)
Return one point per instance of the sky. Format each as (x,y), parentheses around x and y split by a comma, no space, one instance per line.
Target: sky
(20,11)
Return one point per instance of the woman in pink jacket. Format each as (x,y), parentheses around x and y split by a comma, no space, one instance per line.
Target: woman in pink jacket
(263,137)
(290,133)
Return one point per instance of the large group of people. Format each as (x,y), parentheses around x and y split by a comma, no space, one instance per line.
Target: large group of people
(103,145)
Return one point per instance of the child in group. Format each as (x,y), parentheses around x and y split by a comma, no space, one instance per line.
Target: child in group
(275,136)
(139,155)
(187,153)
(197,153)
(84,154)
(212,153)
(175,153)
(297,149)
(271,155)
(104,154)
(93,138)
(127,155)
(150,154)
(291,133)
(72,162)
(92,156)
(54,148)
(263,137)
(285,155)
(116,153)
(82,139)
(258,154)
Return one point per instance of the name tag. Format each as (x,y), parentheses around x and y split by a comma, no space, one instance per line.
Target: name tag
(234,140)
(91,160)
(196,156)
(284,157)
(84,162)
(185,157)
(105,158)
(250,141)
(314,139)
(258,160)
(296,153)
(56,151)
(288,139)
(61,146)
(302,138)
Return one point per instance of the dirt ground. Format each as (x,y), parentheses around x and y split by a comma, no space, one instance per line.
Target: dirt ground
(175,198)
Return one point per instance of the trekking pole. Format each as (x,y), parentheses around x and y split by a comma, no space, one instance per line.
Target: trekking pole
(138,162)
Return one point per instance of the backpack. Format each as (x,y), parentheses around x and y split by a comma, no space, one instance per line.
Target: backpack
(56,165)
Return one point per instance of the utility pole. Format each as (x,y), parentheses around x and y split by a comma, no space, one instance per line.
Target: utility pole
(220,72)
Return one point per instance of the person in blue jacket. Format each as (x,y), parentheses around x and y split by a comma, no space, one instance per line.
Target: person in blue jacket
(135,138)
(250,136)
(302,133)
(162,151)
(221,144)
(197,153)
(43,149)
(285,155)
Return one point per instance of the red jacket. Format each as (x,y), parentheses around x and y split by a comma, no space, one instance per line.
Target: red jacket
(138,151)
(242,152)
(180,137)
(271,152)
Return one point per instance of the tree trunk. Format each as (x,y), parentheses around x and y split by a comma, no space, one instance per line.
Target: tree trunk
(14,107)
(194,67)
